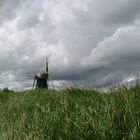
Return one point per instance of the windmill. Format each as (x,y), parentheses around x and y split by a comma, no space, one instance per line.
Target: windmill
(41,79)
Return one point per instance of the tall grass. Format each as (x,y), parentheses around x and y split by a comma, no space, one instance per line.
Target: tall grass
(72,114)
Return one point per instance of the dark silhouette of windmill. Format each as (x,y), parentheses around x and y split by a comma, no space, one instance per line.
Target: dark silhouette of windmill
(41,79)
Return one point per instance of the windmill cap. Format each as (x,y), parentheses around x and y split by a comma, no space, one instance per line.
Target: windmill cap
(42,75)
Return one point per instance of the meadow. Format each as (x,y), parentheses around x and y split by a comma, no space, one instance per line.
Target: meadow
(71,114)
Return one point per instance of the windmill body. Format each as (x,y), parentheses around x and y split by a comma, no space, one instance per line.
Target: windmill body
(41,79)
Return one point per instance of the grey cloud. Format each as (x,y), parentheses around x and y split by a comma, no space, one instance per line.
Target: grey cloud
(8,9)
(84,40)
(118,12)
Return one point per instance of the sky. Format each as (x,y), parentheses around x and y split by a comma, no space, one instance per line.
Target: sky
(91,40)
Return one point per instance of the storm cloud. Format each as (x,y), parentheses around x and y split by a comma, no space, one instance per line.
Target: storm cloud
(83,39)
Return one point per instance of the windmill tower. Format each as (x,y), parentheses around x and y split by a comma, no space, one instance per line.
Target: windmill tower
(41,79)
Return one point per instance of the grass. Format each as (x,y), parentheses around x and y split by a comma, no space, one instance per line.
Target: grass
(72,114)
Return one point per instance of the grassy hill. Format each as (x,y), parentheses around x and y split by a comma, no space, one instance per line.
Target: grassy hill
(72,114)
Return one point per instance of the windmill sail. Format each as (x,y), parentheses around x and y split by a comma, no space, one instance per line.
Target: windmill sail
(47,65)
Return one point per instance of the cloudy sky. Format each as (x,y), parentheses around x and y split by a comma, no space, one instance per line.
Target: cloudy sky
(95,40)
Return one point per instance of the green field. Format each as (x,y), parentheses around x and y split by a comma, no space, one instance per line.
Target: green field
(72,114)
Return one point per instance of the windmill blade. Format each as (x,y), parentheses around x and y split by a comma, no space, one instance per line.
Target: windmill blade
(45,65)
(51,82)
(47,69)
(34,83)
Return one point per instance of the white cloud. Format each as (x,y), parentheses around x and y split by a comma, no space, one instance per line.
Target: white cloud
(122,46)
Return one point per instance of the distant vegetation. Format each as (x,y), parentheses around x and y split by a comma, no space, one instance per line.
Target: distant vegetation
(72,114)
